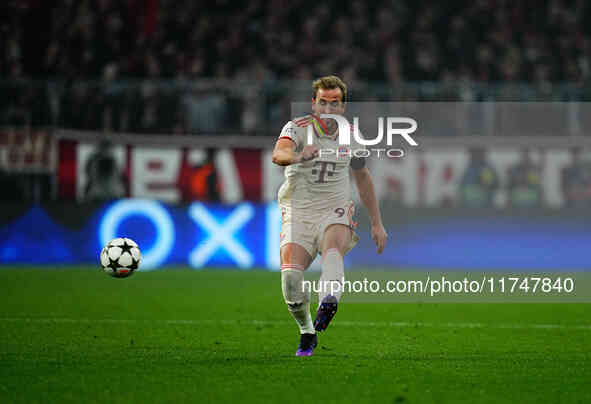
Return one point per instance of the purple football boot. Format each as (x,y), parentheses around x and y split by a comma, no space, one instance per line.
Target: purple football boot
(325,313)
(307,344)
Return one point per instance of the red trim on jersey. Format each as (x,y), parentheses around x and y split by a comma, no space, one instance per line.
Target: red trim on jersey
(321,123)
(302,122)
(286,137)
(292,266)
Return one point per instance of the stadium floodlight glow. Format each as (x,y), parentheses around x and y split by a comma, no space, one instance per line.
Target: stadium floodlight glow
(221,235)
(153,211)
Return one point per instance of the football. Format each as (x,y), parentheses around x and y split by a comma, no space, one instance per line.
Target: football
(121,257)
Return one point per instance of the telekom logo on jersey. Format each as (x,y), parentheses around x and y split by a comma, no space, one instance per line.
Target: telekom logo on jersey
(345,136)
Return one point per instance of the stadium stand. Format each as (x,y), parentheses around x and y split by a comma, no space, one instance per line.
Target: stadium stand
(164,66)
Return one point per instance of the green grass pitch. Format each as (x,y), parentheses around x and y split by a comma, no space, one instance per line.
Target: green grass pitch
(76,335)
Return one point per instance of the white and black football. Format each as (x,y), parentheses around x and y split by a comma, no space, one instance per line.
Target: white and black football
(121,257)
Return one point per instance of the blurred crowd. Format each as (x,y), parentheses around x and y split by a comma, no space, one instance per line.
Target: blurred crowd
(186,66)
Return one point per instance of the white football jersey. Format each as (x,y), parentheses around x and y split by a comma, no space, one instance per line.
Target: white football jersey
(322,183)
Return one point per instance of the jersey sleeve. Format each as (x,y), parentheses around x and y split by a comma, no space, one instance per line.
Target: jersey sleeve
(290,132)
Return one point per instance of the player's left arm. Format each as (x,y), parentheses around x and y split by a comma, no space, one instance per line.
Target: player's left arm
(370,201)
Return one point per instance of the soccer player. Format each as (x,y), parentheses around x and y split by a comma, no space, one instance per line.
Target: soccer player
(316,208)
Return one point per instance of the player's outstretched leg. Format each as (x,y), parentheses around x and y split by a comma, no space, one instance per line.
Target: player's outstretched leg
(298,304)
(333,273)
(325,313)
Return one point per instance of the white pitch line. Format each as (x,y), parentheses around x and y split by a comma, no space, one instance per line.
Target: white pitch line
(398,324)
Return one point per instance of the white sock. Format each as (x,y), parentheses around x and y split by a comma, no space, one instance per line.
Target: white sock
(297,299)
(333,274)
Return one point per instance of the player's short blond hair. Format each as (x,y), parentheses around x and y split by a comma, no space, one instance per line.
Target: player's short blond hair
(329,83)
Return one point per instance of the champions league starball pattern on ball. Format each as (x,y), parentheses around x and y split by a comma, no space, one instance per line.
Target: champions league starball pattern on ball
(121,257)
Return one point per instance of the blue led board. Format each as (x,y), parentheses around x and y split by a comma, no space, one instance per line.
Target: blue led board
(197,235)
(246,235)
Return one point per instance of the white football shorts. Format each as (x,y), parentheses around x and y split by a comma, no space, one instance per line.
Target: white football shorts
(308,229)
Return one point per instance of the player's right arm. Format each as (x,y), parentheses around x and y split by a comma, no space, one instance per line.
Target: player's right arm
(285,152)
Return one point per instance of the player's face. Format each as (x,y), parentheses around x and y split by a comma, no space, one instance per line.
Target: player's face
(328,101)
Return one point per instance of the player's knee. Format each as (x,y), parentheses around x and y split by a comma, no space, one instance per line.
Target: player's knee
(295,254)
(293,287)
(336,236)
